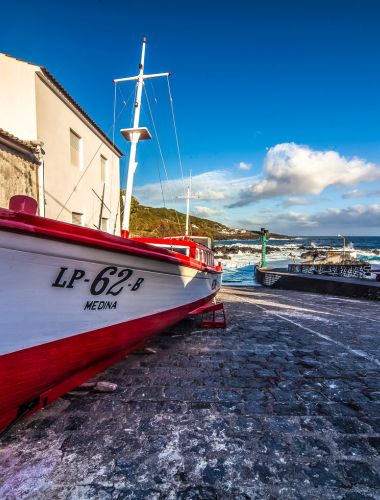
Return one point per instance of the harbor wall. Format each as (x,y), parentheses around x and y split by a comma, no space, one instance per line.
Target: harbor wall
(347,270)
(348,287)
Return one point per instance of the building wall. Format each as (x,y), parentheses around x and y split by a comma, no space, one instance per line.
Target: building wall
(69,188)
(17,176)
(18,98)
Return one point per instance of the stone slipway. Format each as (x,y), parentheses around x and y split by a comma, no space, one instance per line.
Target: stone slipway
(285,403)
(348,287)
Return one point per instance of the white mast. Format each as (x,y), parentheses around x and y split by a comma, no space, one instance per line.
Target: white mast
(188,196)
(134,135)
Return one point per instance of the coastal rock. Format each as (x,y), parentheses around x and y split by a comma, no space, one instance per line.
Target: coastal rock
(235,250)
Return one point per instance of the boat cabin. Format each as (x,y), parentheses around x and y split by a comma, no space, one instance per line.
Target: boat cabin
(195,247)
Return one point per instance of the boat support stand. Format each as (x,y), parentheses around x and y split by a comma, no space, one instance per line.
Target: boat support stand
(208,309)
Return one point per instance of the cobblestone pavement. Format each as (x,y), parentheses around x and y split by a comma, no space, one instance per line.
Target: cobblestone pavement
(285,403)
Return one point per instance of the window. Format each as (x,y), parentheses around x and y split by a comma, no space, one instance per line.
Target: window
(75,149)
(103,168)
(104,226)
(182,250)
(178,249)
(77,218)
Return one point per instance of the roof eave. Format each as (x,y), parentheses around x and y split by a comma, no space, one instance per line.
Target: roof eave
(82,112)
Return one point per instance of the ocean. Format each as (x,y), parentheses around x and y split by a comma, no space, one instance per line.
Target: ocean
(239,267)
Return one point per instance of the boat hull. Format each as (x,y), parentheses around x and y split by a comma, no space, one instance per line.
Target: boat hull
(69,310)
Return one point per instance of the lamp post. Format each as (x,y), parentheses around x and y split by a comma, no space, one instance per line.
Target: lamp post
(264,234)
(344,247)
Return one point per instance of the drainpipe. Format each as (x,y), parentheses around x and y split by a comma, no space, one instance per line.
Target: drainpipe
(40,178)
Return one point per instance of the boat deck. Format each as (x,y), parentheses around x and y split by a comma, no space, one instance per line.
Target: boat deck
(284,403)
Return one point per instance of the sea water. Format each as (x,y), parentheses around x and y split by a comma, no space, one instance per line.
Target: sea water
(239,269)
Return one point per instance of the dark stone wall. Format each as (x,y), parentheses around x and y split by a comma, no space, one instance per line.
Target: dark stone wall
(318,284)
(17,176)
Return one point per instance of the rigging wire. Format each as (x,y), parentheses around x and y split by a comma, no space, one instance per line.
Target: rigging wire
(121,94)
(157,165)
(113,142)
(154,92)
(160,150)
(175,131)
(114,114)
(92,159)
(117,213)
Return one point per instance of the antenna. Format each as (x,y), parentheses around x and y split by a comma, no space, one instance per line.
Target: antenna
(134,135)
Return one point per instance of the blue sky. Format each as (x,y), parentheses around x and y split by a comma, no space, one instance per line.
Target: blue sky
(277,102)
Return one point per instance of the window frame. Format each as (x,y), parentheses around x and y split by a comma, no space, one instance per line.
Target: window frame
(80,152)
(106,219)
(81,216)
(104,179)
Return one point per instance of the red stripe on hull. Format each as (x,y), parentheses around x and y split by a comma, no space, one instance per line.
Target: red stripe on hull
(33,225)
(49,370)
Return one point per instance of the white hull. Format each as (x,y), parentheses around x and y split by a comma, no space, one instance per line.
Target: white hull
(39,304)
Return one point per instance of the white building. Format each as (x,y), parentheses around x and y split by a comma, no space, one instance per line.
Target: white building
(79,160)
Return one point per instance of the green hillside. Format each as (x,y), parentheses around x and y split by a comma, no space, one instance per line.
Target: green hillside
(149,221)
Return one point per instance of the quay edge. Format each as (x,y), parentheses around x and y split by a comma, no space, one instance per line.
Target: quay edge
(348,287)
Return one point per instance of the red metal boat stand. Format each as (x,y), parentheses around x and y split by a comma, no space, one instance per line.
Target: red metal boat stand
(215,322)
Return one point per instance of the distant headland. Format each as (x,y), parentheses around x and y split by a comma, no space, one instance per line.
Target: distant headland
(149,221)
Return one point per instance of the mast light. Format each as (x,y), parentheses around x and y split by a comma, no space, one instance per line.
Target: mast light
(143,132)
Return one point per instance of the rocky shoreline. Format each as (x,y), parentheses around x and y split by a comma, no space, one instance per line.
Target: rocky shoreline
(224,251)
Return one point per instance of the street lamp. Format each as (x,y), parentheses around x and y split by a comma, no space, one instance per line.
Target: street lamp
(344,247)
(264,235)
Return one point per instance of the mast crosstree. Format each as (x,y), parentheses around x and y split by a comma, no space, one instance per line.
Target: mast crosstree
(134,135)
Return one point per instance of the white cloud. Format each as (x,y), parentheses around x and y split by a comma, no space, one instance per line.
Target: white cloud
(356,193)
(244,166)
(291,170)
(356,216)
(215,185)
(357,219)
(294,200)
(295,174)
(205,211)
(296,219)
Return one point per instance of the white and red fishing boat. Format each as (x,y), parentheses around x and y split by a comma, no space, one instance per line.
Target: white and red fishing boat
(75,300)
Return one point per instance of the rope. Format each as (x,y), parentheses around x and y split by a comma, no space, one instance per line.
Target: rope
(159,149)
(121,94)
(154,92)
(156,135)
(162,189)
(114,115)
(117,213)
(113,142)
(175,132)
